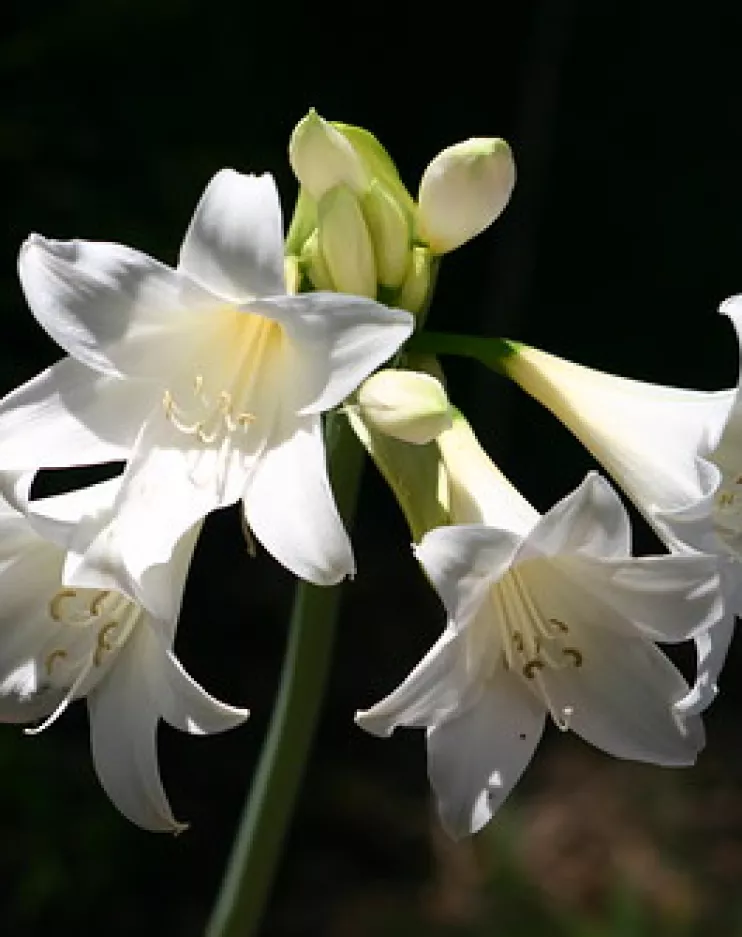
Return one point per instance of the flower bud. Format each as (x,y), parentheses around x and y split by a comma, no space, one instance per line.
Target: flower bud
(407,405)
(416,285)
(390,235)
(345,243)
(463,191)
(323,158)
(291,273)
(313,263)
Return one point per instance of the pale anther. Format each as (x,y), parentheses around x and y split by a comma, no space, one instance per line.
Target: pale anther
(55,606)
(59,654)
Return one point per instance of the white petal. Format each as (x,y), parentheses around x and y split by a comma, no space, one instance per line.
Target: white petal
(187,706)
(432,690)
(463,561)
(123,724)
(668,598)
(621,699)
(69,415)
(591,520)
(712,647)
(476,757)
(234,244)
(335,341)
(653,440)
(95,298)
(290,507)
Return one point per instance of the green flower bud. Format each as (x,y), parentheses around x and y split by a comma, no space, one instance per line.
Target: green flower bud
(463,191)
(291,273)
(407,405)
(390,235)
(345,243)
(416,285)
(313,263)
(323,158)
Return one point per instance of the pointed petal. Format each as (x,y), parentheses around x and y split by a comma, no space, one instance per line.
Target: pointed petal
(476,757)
(591,520)
(290,507)
(668,598)
(463,561)
(69,415)
(123,726)
(653,440)
(144,549)
(335,341)
(187,706)
(234,244)
(430,693)
(95,298)
(712,647)
(621,699)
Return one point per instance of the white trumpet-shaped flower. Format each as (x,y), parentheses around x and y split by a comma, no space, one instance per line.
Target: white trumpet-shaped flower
(61,642)
(676,453)
(209,379)
(546,615)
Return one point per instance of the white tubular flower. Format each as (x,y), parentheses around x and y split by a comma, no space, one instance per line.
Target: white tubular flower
(60,642)
(547,615)
(209,379)
(676,453)
(463,190)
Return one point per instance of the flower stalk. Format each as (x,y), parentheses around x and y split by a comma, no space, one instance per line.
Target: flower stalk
(262,829)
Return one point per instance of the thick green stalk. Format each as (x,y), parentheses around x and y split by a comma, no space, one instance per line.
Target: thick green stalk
(257,847)
(490,351)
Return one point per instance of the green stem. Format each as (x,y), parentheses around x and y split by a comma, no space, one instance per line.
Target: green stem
(490,351)
(257,847)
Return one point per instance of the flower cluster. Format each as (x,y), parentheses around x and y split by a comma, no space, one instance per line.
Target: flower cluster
(210,381)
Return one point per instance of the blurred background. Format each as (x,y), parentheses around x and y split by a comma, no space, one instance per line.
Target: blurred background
(623,235)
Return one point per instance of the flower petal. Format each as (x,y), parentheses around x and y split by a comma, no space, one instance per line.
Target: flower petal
(463,561)
(428,695)
(187,706)
(95,298)
(335,341)
(591,520)
(234,244)
(290,507)
(123,724)
(668,598)
(476,757)
(712,647)
(620,698)
(69,415)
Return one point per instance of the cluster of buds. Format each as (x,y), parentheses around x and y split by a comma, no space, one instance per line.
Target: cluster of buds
(358,230)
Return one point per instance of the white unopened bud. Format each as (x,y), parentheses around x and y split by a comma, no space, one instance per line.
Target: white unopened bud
(323,158)
(416,285)
(408,405)
(463,191)
(345,243)
(390,234)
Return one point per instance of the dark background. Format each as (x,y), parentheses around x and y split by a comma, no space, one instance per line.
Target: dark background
(624,234)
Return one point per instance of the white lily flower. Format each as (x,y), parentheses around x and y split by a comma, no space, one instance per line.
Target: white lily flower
(676,453)
(209,379)
(59,643)
(546,615)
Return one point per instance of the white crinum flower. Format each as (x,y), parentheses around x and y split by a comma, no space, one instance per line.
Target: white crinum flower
(546,615)
(62,642)
(209,379)
(676,453)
